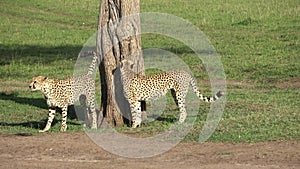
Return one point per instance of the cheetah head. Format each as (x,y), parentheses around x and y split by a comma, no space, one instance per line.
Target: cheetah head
(37,83)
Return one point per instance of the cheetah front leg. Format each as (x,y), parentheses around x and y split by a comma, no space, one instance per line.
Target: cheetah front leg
(51,116)
(64,119)
(136,114)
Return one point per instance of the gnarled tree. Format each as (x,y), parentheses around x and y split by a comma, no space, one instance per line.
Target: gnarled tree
(118,38)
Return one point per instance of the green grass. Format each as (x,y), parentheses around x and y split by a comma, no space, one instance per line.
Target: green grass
(258,42)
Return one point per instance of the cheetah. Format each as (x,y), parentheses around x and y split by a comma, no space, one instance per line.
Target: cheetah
(139,88)
(60,93)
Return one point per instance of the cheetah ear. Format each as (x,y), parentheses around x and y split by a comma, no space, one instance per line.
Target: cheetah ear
(45,78)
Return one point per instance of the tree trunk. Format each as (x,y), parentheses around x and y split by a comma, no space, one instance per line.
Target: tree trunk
(118,37)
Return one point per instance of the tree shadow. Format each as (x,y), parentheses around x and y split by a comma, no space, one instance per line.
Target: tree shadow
(36,102)
(36,54)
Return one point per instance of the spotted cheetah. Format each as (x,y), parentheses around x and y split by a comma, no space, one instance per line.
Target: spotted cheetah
(60,93)
(139,88)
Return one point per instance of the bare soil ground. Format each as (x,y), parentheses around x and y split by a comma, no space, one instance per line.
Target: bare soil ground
(76,150)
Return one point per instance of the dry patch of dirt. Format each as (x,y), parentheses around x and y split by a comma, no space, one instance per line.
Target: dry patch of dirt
(293,82)
(76,150)
(13,85)
(238,83)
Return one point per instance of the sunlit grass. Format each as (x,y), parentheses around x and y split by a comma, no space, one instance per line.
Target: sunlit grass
(258,42)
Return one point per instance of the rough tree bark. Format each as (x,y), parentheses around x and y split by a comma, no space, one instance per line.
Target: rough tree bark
(118,37)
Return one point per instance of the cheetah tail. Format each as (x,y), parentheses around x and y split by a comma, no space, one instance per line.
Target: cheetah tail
(93,64)
(202,97)
(211,99)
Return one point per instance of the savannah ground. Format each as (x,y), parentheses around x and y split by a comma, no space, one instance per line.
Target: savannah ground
(76,150)
(258,42)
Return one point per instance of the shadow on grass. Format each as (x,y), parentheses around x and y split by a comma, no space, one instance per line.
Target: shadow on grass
(36,54)
(40,103)
(46,54)
(30,124)
(167,119)
(35,124)
(36,102)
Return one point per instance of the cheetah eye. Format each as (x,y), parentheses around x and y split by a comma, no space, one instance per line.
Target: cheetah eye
(34,82)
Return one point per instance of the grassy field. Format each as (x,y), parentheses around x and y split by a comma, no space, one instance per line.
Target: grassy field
(258,42)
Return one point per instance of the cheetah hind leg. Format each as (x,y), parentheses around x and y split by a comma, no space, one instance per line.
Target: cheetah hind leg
(94,116)
(181,104)
(144,112)
(90,118)
(136,114)
(85,108)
